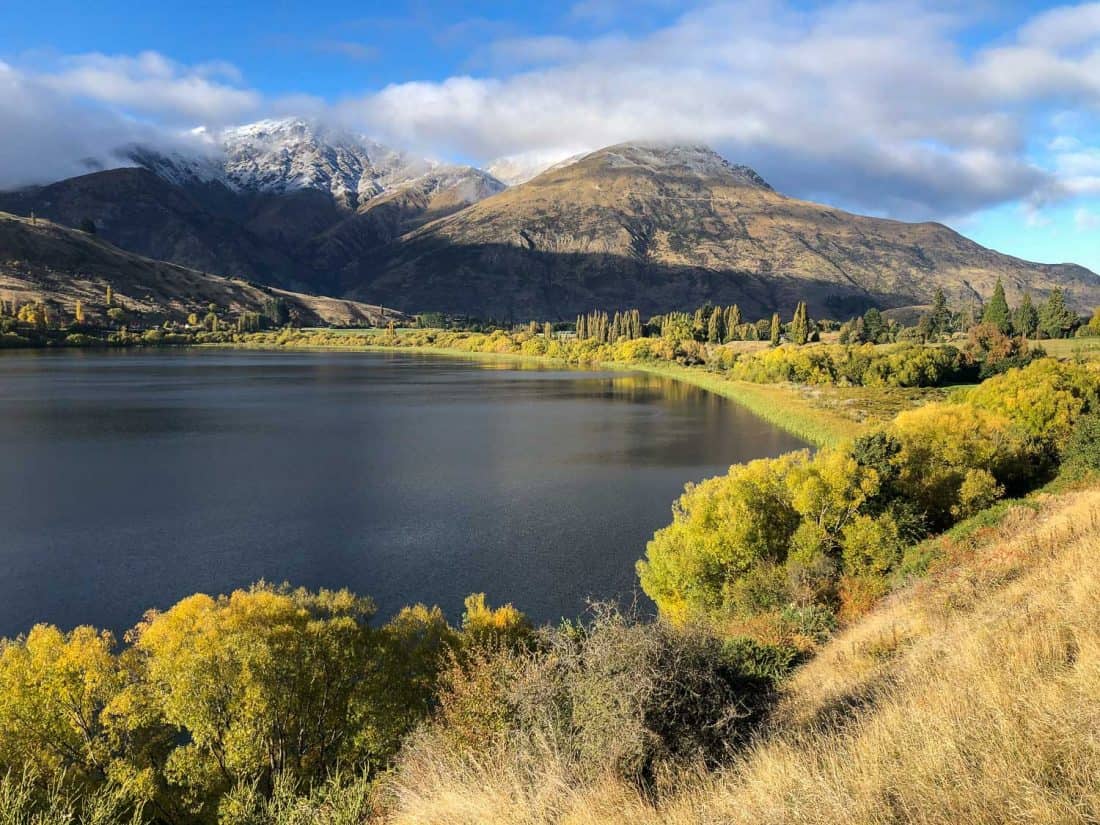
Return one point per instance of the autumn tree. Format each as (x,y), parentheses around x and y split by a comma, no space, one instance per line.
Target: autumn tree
(776,330)
(263,682)
(110,297)
(78,312)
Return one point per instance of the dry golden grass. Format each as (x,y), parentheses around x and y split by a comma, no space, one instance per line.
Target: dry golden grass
(972,697)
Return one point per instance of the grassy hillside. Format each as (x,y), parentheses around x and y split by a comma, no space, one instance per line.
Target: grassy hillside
(970,696)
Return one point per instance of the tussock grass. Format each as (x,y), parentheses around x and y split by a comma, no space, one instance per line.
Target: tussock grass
(971,697)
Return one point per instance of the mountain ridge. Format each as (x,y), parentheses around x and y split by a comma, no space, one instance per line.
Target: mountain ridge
(687,227)
(657,226)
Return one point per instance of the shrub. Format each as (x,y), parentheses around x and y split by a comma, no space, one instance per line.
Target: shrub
(613,696)
(871,545)
(941,443)
(485,627)
(858,595)
(721,529)
(978,490)
(1044,399)
(1082,452)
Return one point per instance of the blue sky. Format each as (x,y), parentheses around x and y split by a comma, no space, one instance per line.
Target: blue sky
(987,119)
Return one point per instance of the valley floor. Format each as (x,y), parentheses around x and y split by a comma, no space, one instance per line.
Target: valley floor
(972,696)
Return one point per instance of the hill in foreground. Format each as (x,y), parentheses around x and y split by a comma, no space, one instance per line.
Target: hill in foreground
(43,262)
(970,697)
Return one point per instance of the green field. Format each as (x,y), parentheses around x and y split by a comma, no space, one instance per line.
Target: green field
(1071,347)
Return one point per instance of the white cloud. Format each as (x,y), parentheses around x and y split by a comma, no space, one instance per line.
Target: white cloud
(871,105)
(1064,27)
(1086,220)
(151,84)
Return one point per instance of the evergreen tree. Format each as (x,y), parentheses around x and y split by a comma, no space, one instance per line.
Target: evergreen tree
(996,311)
(716,326)
(776,330)
(873,325)
(940,315)
(1025,320)
(924,328)
(1055,318)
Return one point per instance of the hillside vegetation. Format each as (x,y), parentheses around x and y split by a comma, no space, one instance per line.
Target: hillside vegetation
(54,266)
(970,696)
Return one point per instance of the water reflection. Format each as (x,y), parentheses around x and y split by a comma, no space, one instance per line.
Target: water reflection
(133,479)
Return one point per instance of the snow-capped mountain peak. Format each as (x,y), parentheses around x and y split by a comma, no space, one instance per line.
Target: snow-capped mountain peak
(285,155)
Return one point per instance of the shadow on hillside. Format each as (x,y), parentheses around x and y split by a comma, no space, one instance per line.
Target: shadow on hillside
(512,283)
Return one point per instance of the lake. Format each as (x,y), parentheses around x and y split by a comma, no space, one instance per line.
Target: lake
(131,479)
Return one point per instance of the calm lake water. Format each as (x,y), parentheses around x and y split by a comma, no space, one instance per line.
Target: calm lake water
(129,480)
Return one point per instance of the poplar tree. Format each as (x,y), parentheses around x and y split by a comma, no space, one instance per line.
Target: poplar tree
(78,312)
(110,296)
(996,311)
(800,324)
(733,322)
(548,330)
(582,328)
(715,326)
(776,329)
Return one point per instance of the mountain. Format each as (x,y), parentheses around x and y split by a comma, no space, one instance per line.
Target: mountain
(307,208)
(675,226)
(280,202)
(44,262)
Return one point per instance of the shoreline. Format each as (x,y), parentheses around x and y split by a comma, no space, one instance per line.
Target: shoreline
(777,404)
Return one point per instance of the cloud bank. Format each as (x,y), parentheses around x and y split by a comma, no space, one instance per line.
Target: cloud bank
(877,106)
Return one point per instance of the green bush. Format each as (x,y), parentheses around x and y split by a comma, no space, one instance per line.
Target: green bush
(1082,452)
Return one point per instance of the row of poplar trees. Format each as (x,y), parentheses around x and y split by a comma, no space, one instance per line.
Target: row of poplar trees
(605,329)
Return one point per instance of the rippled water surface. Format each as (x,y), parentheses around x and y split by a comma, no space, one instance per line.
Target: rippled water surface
(129,480)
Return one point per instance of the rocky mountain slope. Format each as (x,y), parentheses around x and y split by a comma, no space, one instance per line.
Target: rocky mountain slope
(676,226)
(267,202)
(303,207)
(43,262)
